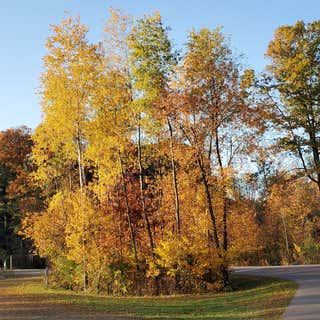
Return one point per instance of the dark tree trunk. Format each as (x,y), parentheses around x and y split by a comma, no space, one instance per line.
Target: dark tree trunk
(174,180)
(126,201)
(224,195)
(223,267)
(209,205)
(142,198)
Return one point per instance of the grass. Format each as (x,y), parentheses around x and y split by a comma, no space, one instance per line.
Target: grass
(252,298)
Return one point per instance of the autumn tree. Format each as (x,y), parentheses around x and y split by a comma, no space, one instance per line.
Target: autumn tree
(71,69)
(212,101)
(109,137)
(67,83)
(289,223)
(294,85)
(152,59)
(17,194)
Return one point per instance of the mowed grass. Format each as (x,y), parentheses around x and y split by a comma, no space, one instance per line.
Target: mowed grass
(251,298)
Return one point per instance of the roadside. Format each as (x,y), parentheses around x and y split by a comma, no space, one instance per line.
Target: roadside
(306,303)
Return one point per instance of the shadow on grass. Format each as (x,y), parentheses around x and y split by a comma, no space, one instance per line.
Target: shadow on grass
(252,298)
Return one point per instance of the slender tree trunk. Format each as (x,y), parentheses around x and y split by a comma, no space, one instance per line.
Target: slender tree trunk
(120,220)
(70,177)
(99,279)
(126,201)
(174,179)
(114,218)
(223,268)
(84,262)
(209,205)
(224,195)
(160,192)
(81,185)
(285,235)
(82,178)
(144,211)
(316,156)
(80,170)
(142,198)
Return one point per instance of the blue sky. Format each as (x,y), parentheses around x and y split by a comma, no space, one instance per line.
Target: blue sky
(24,26)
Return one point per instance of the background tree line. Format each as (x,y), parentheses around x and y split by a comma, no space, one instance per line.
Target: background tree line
(154,170)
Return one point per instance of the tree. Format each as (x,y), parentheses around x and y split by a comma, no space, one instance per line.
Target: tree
(17,194)
(71,69)
(151,60)
(212,100)
(111,126)
(288,224)
(295,87)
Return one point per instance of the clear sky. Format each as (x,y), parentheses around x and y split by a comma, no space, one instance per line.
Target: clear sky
(24,26)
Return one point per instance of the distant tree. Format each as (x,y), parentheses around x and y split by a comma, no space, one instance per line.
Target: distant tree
(289,223)
(17,194)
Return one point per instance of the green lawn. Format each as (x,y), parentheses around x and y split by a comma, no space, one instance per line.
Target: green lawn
(252,298)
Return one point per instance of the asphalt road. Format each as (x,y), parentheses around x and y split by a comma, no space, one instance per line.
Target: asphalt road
(25,272)
(306,303)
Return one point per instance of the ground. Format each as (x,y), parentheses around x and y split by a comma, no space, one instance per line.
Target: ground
(16,305)
(253,298)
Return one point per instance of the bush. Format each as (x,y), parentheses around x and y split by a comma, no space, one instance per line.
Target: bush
(65,274)
(188,265)
(310,251)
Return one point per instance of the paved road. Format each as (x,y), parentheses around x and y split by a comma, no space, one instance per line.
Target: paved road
(25,272)
(306,303)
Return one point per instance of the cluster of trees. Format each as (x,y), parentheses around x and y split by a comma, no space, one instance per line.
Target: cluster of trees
(16,192)
(152,171)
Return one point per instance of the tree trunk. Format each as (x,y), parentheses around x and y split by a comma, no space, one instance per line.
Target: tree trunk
(315,153)
(174,180)
(285,235)
(209,205)
(224,194)
(142,198)
(223,268)
(126,201)
(80,170)
(225,275)
(143,206)
(120,220)
(84,262)
(81,185)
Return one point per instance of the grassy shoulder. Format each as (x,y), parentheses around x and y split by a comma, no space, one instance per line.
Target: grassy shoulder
(252,298)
